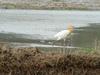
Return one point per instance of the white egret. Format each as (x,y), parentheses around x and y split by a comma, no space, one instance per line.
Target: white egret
(64,34)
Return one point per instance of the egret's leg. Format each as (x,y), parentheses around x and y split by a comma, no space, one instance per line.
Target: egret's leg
(53,43)
(64,49)
(71,43)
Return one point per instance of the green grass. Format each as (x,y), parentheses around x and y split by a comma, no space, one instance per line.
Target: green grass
(87,49)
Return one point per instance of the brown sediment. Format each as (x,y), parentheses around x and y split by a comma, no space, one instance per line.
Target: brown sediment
(31,61)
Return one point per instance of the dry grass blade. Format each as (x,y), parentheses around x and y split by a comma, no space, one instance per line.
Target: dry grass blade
(30,61)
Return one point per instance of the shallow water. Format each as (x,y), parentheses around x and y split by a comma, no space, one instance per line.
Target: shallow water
(43,24)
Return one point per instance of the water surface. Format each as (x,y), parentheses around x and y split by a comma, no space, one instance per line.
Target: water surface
(44,24)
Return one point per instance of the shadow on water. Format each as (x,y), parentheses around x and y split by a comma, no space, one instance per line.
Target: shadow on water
(84,37)
(87,36)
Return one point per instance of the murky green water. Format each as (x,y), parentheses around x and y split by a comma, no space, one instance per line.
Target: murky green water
(88,36)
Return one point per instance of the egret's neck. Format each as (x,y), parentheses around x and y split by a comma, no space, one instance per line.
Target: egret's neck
(70,30)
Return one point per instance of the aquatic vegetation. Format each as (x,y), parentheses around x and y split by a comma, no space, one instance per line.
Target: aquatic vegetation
(88,50)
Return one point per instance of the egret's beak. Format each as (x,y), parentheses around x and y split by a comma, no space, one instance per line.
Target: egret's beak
(70,27)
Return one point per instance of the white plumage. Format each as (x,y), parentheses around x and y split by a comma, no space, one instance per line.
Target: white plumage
(62,35)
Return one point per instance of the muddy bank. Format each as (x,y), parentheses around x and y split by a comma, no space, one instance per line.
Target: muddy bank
(31,61)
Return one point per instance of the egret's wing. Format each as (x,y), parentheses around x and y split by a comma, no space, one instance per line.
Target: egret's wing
(61,34)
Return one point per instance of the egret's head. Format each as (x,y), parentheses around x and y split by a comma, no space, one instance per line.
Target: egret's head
(70,27)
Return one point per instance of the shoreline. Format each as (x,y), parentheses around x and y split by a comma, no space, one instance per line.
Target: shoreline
(49,9)
(47,6)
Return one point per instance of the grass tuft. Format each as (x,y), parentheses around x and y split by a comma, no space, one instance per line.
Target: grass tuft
(31,61)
